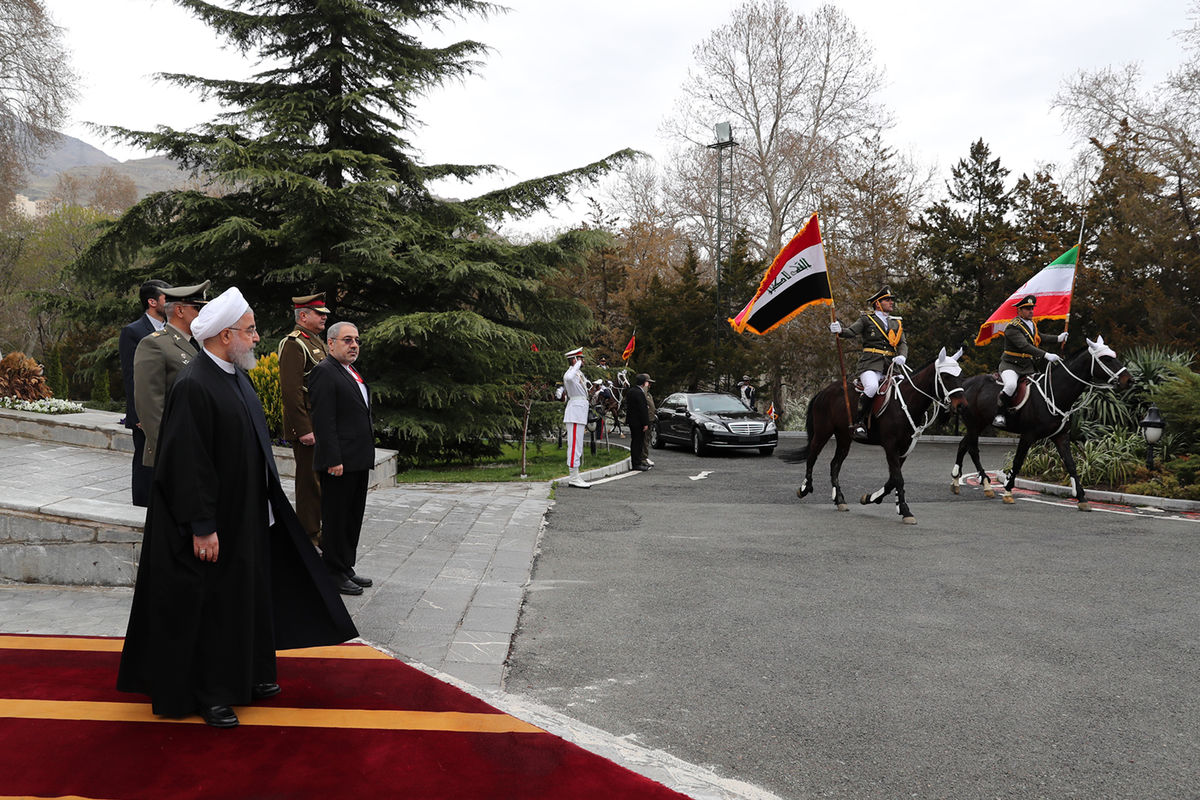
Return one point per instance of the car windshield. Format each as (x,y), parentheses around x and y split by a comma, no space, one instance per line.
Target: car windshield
(717,404)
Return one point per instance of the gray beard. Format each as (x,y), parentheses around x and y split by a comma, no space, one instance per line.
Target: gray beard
(244,358)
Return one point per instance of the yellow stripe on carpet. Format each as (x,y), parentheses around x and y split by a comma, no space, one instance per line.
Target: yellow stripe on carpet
(362,719)
(114,646)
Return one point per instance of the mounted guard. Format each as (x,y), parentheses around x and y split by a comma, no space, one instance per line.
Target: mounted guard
(883,345)
(1021,352)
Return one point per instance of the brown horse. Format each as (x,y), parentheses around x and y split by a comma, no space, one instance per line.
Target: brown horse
(1044,415)
(915,401)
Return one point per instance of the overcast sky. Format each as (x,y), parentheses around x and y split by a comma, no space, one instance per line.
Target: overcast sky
(570,81)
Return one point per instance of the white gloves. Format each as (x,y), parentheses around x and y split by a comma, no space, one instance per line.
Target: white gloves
(1062,337)
(835,327)
(899,361)
(1051,357)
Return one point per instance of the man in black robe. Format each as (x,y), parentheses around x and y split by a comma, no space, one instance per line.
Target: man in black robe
(637,414)
(226,576)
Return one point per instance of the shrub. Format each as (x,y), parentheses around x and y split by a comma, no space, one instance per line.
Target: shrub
(21,377)
(55,377)
(265,379)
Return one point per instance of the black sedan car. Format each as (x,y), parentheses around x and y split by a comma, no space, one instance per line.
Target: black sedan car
(708,419)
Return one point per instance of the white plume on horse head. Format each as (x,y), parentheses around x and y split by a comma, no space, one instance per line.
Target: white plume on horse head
(948,364)
(1099,349)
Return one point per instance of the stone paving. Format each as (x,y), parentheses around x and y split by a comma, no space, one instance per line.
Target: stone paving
(450,564)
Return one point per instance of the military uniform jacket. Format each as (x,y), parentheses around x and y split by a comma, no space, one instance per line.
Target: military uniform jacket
(575,387)
(299,352)
(158,360)
(1021,351)
(880,343)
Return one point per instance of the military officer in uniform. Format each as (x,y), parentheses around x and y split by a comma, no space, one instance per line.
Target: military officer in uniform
(152,320)
(575,415)
(883,344)
(299,352)
(161,356)
(1021,351)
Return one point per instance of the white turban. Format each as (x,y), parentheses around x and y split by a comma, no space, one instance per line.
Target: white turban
(220,313)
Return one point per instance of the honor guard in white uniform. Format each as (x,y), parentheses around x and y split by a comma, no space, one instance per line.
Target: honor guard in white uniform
(575,416)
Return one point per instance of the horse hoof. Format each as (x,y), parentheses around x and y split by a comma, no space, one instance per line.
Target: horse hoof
(1085,506)
(800,492)
(989,493)
(1009,499)
(865,499)
(954,488)
(843,507)
(910,520)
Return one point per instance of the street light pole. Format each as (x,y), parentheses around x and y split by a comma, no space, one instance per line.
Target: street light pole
(1152,430)
(724,143)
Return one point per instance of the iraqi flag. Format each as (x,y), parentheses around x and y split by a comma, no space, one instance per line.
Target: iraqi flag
(1051,287)
(796,280)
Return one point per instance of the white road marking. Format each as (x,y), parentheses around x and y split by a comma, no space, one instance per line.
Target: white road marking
(616,477)
(1065,504)
(703,474)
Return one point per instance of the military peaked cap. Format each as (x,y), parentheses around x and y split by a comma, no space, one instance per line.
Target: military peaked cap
(313,302)
(193,295)
(578,351)
(883,294)
(1028,301)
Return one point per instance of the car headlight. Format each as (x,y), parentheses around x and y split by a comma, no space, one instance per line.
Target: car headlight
(770,427)
(714,426)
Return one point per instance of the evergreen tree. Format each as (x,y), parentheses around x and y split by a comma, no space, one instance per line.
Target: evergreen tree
(675,330)
(1140,281)
(965,258)
(314,187)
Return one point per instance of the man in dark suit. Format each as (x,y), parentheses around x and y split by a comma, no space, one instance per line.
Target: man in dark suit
(344,452)
(153,303)
(637,415)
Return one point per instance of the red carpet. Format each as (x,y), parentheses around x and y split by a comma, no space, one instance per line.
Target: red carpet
(351,723)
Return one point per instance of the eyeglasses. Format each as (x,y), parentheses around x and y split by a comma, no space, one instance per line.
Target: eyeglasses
(350,339)
(252,330)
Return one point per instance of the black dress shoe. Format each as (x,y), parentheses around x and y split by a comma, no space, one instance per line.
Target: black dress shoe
(359,579)
(641,467)
(219,716)
(261,691)
(346,586)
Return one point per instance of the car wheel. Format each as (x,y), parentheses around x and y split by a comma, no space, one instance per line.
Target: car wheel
(656,441)
(766,451)
(697,445)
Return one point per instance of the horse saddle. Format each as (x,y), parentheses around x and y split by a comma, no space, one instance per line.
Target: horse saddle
(1020,396)
(882,397)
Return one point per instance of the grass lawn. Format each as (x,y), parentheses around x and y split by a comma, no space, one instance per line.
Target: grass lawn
(544,465)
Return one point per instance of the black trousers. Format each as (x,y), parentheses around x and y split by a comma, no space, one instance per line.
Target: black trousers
(343,503)
(637,445)
(143,476)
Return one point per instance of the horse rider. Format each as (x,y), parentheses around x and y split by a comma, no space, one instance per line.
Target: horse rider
(883,344)
(1021,351)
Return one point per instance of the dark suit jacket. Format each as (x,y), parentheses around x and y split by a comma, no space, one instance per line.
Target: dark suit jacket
(341,420)
(637,410)
(131,334)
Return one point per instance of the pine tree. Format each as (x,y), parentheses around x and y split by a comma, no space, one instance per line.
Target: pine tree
(965,258)
(315,187)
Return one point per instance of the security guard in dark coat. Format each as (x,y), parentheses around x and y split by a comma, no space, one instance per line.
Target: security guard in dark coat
(161,356)
(1021,351)
(152,320)
(883,344)
(299,352)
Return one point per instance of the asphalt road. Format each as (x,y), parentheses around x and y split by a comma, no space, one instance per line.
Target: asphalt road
(990,651)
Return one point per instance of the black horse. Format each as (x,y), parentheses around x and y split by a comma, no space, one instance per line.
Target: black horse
(915,401)
(1045,414)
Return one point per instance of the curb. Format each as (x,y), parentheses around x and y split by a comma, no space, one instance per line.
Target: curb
(1167,503)
(597,473)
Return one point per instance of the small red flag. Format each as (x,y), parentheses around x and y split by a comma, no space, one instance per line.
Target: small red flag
(629,348)
(771,411)
(533,346)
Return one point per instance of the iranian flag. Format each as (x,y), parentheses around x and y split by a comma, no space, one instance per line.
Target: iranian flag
(1051,287)
(796,280)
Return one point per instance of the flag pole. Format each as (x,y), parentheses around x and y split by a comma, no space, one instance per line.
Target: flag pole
(838,339)
(1078,263)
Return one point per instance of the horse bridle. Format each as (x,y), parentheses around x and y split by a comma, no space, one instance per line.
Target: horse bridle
(1113,377)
